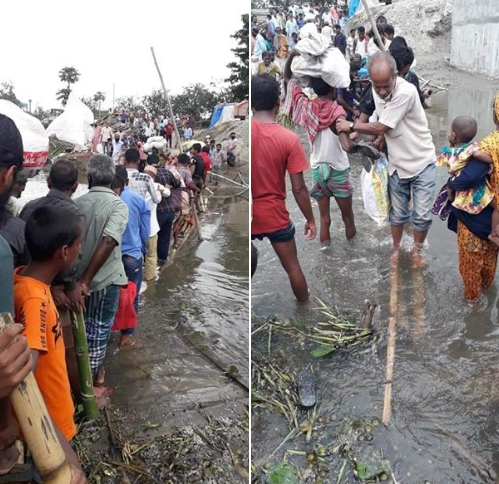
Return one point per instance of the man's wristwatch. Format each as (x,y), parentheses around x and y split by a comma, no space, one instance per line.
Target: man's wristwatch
(352,127)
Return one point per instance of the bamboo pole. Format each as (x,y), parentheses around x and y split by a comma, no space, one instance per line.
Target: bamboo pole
(390,352)
(37,426)
(177,134)
(84,372)
(229,180)
(373,25)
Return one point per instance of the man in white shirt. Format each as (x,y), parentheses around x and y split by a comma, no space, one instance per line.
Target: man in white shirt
(106,135)
(362,47)
(411,152)
(117,147)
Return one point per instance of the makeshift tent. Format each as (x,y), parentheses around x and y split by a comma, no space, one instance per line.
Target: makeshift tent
(241,110)
(356,6)
(35,139)
(73,125)
(222,113)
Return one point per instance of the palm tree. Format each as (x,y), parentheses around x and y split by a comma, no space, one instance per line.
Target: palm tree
(71,76)
(99,97)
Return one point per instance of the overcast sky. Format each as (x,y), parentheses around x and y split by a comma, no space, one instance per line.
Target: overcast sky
(109,42)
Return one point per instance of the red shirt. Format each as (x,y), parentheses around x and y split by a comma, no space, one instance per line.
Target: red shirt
(207,161)
(274,150)
(169,129)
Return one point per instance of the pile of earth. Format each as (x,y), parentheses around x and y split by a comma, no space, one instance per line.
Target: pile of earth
(425,24)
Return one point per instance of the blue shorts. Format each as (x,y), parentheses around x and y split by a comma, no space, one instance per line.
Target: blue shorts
(284,235)
(421,189)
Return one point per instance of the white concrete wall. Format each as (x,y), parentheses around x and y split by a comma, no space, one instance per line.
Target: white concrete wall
(475,36)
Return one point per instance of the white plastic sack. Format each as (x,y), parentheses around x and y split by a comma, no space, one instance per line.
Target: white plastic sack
(73,125)
(375,191)
(319,59)
(35,139)
(153,139)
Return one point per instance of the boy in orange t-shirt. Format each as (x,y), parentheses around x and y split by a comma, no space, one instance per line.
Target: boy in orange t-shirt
(53,237)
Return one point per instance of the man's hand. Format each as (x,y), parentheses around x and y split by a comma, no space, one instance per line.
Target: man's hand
(356,112)
(9,431)
(77,475)
(76,299)
(84,288)
(342,126)
(379,143)
(310,230)
(60,298)
(15,359)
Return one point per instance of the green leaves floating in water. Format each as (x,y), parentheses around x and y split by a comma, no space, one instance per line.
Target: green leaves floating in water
(282,474)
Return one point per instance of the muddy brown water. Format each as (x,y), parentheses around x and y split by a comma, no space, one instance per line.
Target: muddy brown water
(445,419)
(193,323)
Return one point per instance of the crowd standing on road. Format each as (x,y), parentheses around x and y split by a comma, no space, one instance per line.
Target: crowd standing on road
(88,255)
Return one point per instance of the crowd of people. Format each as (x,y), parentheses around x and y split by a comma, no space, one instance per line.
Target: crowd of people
(385,106)
(273,40)
(64,255)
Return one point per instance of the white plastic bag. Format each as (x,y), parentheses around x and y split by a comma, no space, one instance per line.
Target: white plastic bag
(319,59)
(73,125)
(35,139)
(375,191)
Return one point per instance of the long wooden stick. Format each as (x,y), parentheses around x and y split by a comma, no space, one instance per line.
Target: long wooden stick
(37,426)
(373,25)
(84,371)
(177,134)
(390,352)
(229,180)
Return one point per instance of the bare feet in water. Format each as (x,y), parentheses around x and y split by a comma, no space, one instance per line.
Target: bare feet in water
(417,258)
(126,341)
(395,256)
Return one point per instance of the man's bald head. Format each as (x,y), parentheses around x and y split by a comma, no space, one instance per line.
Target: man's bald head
(464,129)
(383,72)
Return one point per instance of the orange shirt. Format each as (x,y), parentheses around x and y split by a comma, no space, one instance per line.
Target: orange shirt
(275,150)
(35,310)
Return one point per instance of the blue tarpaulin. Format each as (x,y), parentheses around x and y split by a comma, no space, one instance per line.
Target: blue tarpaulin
(354,5)
(217,114)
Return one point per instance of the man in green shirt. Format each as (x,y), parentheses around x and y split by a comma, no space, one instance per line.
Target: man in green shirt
(100,272)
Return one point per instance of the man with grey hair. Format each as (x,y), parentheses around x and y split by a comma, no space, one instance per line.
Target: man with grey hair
(411,152)
(100,272)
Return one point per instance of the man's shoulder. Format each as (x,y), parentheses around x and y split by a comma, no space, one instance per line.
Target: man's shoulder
(405,89)
(284,135)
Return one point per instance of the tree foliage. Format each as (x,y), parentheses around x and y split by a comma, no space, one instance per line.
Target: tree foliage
(7,92)
(69,75)
(239,78)
(127,103)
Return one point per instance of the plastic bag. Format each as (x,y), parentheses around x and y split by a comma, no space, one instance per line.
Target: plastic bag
(126,317)
(73,125)
(319,59)
(35,139)
(375,191)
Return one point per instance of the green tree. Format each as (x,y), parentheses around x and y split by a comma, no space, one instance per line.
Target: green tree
(7,92)
(196,100)
(155,104)
(99,98)
(71,76)
(239,78)
(127,103)
(63,95)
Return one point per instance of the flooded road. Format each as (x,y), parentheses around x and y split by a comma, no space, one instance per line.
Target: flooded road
(445,401)
(192,327)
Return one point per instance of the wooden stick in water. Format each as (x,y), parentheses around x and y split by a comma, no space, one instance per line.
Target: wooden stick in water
(390,352)
(37,426)
(367,314)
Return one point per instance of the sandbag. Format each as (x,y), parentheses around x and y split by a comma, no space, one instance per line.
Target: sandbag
(319,59)
(375,191)
(73,125)
(33,134)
